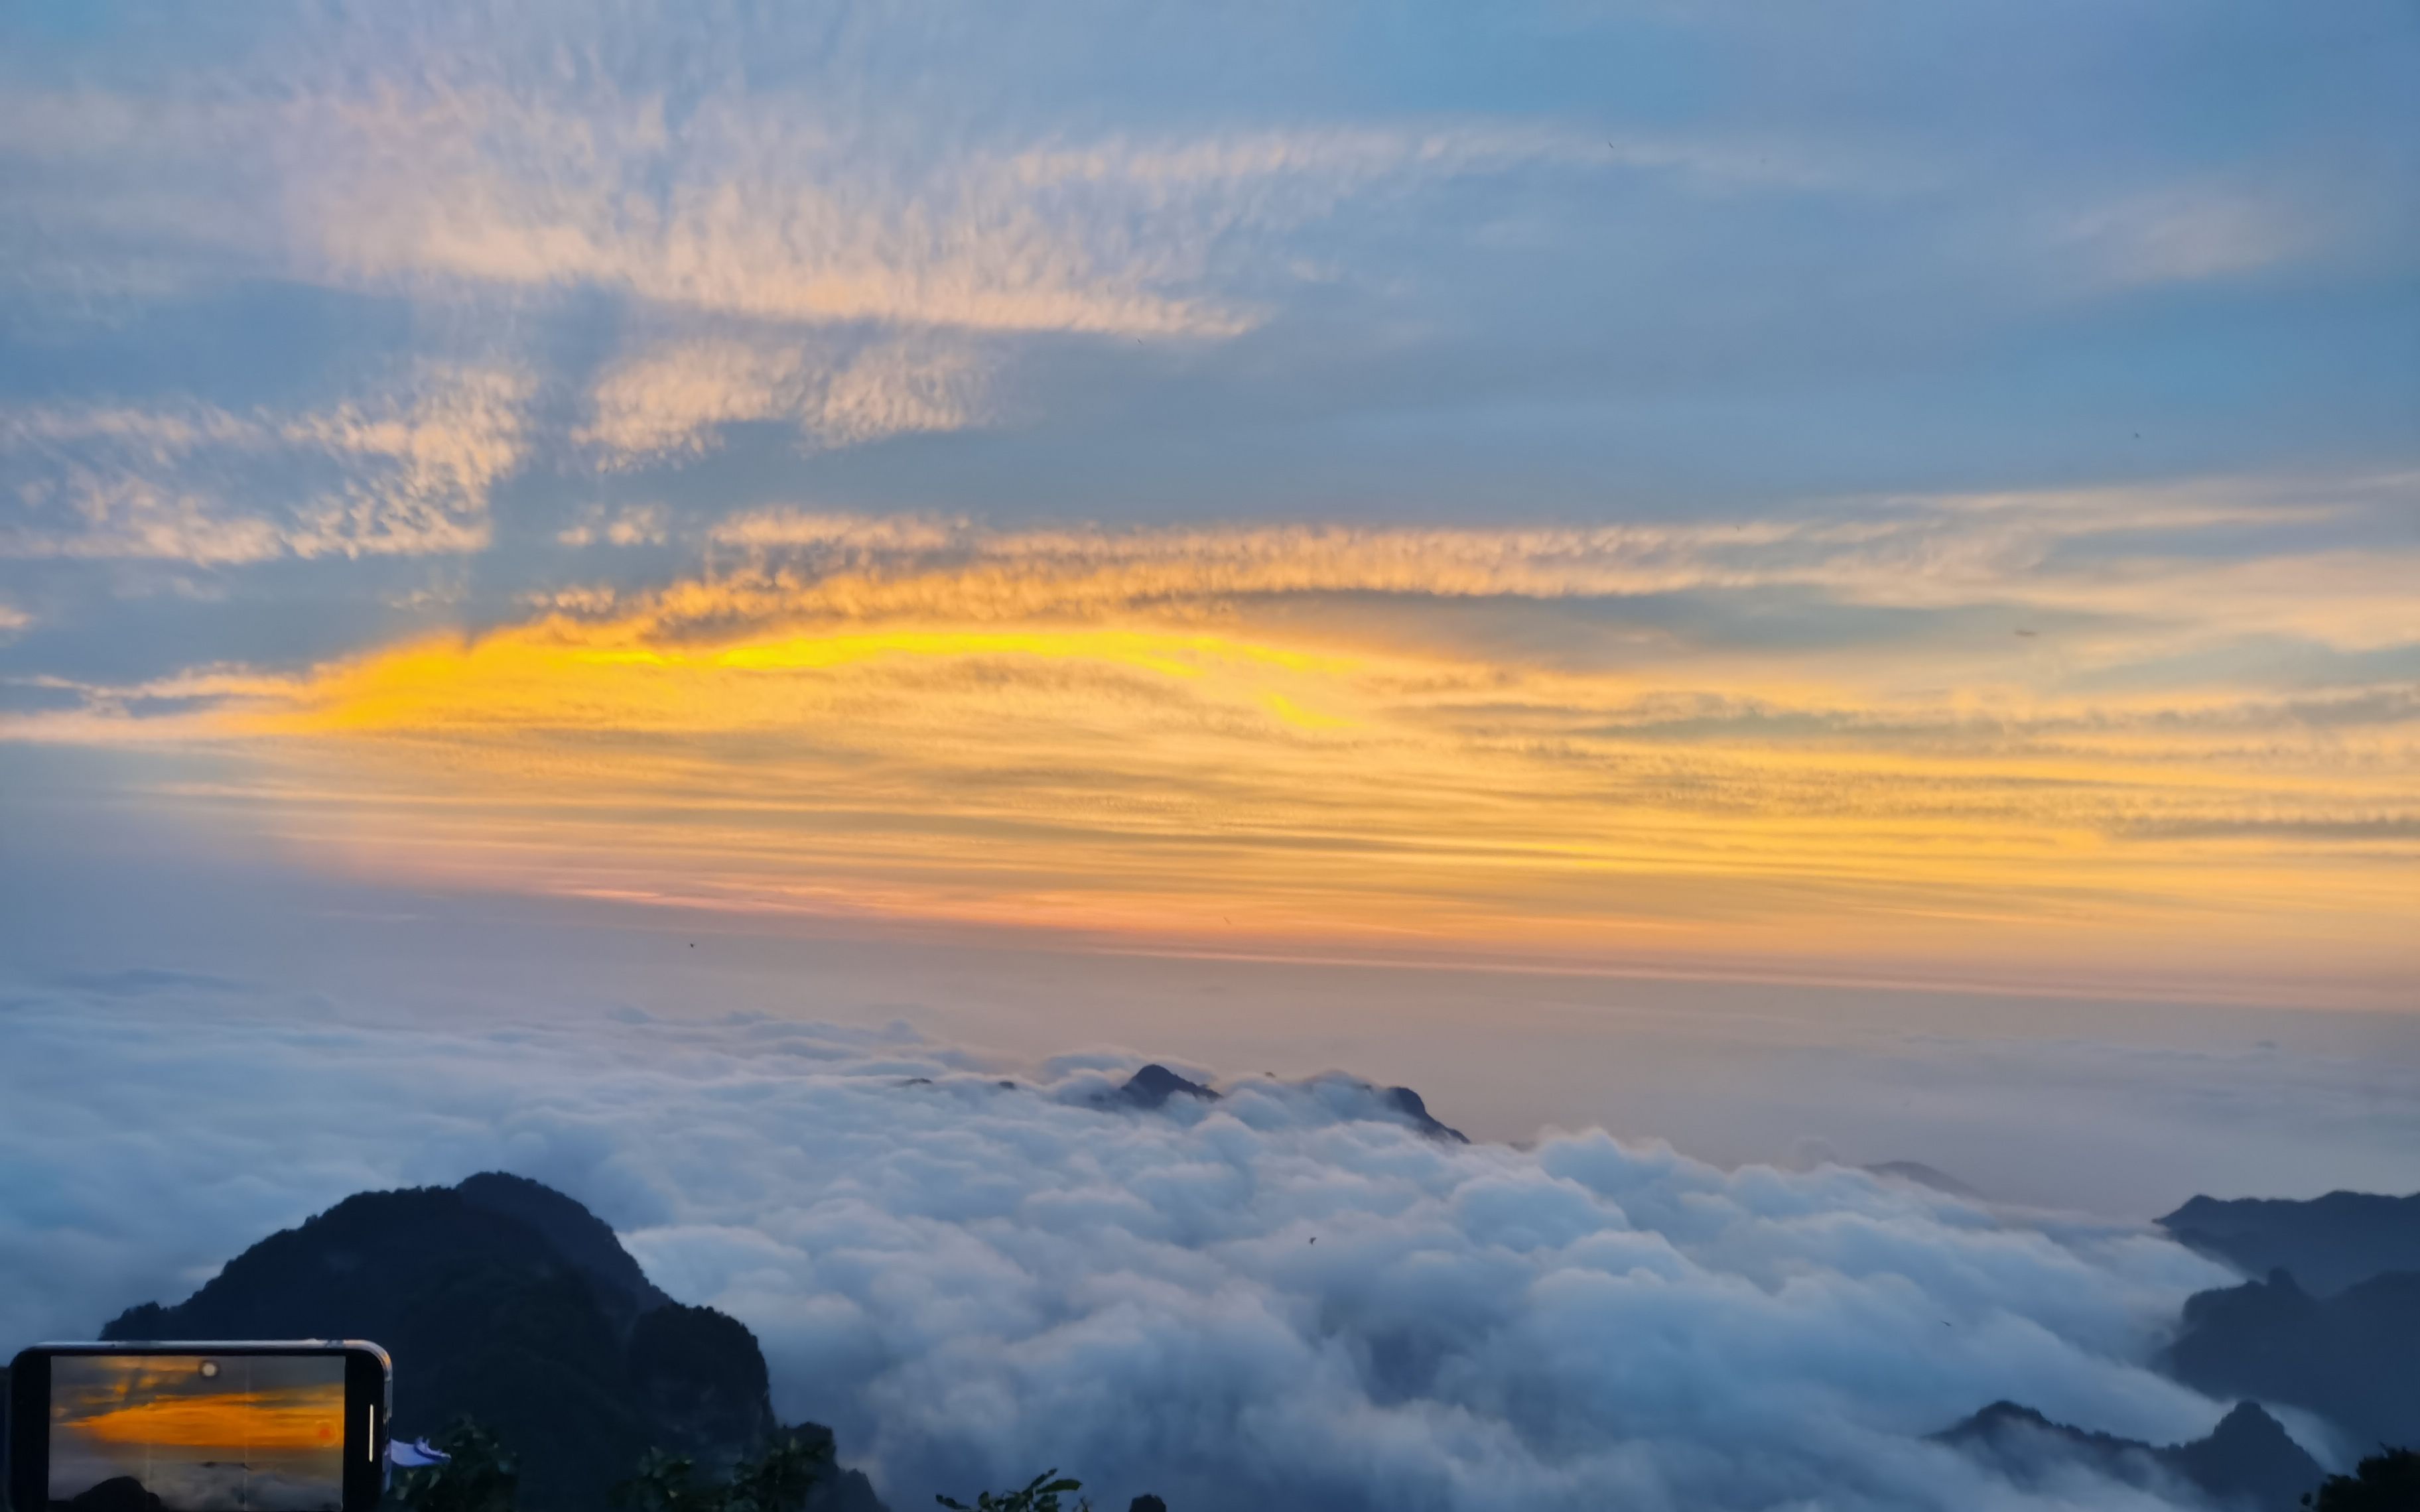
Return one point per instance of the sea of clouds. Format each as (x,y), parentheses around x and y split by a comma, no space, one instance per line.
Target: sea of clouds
(1287,1298)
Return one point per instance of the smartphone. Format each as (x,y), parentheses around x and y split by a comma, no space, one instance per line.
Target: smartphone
(251,1426)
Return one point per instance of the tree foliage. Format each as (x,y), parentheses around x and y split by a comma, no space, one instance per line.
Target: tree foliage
(481,1476)
(778,1480)
(478,1476)
(1040,1494)
(2388,1481)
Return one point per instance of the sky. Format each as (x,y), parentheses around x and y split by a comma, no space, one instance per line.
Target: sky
(1733,592)
(263,1432)
(1925,493)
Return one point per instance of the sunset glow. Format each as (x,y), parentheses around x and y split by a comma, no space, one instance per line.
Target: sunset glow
(1506,757)
(1240,742)
(270,1422)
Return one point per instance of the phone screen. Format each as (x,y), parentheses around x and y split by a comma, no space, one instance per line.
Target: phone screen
(197,1432)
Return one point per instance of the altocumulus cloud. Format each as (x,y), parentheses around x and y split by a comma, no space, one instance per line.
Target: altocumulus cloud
(973,1271)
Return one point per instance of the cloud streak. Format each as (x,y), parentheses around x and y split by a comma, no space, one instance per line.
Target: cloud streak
(408,470)
(1578,744)
(672,399)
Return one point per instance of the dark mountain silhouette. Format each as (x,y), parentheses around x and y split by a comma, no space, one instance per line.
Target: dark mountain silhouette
(120,1493)
(2248,1458)
(1150,1088)
(1153,1084)
(2329,1243)
(581,1238)
(1407,1102)
(2349,1357)
(2248,1463)
(510,1303)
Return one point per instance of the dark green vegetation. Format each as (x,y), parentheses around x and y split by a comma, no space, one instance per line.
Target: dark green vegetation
(791,1474)
(785,1477)
(1040,1494)
(479,1475)
(2388,1482)
(505,1302)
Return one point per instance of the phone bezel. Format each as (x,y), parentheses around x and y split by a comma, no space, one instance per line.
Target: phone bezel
(369,1377)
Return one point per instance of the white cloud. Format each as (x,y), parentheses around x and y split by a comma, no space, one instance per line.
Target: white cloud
(405,469)
(670,398)
(2189,233)
(2134,557)
(134,517)
(895,389)
(633,525)
(750,208)
(973,1280)
(466,150)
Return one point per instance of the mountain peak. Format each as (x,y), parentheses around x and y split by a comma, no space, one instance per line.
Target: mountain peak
(2249,1454)
(585,1239)
(2248,1461)
(1155,1084)
(2248,1422)
(2346,1356)
(507,1302)
(2329,1242)
(1407,1102)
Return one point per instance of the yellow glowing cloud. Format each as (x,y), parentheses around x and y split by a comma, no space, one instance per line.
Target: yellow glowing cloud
(1232,741)
(257,1421)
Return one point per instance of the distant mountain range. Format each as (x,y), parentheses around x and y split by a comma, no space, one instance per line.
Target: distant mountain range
(2350,1353)
(2247,1463)
(1151,1087)
(2329,1243)
(506,1300)
(2353,1358)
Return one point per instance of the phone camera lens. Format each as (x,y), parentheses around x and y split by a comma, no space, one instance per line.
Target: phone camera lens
(210,1369)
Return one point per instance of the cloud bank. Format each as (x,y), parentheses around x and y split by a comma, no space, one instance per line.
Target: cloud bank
(1286,1299)
(1997,730)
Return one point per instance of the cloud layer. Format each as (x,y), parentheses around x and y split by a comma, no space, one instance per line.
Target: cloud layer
(1992,731)
(974,1279)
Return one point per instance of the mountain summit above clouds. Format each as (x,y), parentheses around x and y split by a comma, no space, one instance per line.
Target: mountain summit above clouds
(2329,1242)
(1154,1086)
(2247,1463)
(2342,1349)
(2349,1357)
(506,1301)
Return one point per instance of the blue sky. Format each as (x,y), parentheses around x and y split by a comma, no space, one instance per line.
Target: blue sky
(1939,473)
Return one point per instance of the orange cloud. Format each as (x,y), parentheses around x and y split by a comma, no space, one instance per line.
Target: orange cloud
(1228,740)
(293,1419)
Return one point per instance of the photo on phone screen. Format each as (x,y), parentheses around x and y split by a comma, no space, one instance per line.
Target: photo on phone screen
(200,1432)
